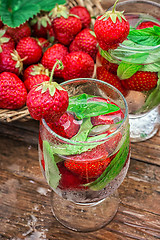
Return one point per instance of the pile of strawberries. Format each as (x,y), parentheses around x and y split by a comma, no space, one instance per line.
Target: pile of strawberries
(29,52)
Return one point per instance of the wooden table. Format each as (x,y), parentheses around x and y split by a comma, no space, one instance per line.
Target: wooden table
(25,211)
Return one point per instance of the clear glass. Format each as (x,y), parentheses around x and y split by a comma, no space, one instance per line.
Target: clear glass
(85,203)
(144,112)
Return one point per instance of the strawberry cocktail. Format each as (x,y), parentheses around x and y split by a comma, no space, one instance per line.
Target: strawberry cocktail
(84,154)
(133,64)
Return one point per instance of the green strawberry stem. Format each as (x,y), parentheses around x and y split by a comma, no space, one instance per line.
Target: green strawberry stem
(114,6)
(58,62)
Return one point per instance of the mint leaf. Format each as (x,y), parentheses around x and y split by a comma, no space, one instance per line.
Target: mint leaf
(107,56)
(146,36)
(51,170)
(152,67)
(113,168)
(78,146)
(15,12)
(126,70)
(129,55)
(84,107)
(152,100)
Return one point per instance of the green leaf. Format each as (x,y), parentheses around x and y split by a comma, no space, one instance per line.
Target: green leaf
(126,70)
(84,107)
(107,56)
(153,67)
(146,36)
(152,100)
(51,170)
(50,4)
(113,168)
(77,148)
(15,12)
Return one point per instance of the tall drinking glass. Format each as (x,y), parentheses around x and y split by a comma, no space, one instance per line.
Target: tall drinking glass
(85,171)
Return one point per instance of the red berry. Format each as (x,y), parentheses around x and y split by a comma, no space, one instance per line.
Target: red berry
(90,164)
(29,49)
(13,93)
(85,42)
(66,126)
(31,81)
(106,76)
(83,14)
(78,65)
(48,100)
(20,32)
(57,51)
(111,28)
(141,81)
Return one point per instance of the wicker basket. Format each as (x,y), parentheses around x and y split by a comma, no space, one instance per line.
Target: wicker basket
(95,8)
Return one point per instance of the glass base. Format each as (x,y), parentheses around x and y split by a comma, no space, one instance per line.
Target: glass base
(84,217)
(145,126)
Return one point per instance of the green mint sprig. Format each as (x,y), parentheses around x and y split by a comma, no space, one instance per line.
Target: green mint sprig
(84,107)
(153,98)
(14,13)
(52,173)
(146,36)
(113,168)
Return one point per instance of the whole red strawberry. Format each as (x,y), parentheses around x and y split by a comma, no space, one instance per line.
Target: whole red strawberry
(57,51)
(111,67)
(85,42)
(90,164)
(44,43)
(29,49)
(106,76)
(31,81)
(20,32)
(65,27)
(10,61)
(66,126)
(48,100)
(13,93)
(78,65)
(35,69)
(111,28)
(83,14)
(40,26)
(141,81)
(6,42)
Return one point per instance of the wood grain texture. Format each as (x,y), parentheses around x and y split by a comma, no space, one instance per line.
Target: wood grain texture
(25,210)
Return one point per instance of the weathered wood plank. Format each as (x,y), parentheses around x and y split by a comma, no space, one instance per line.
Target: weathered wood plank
(25,200)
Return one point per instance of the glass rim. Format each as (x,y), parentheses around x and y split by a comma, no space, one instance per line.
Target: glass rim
(69,141)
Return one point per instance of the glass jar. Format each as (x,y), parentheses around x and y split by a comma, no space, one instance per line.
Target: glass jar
(135,60)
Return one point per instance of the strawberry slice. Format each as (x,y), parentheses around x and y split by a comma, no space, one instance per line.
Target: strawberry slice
(106,119)
(69,180)
(66,126)
(147,24)
(90,164)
